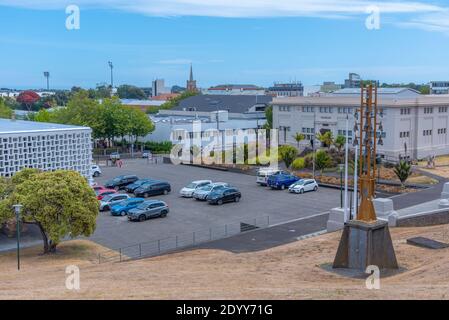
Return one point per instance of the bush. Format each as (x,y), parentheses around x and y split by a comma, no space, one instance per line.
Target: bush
(287,154)
(299,164)
(159,147)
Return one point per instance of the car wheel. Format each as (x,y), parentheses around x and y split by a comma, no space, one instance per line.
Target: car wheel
(283,187)
(163,214)
(237,199)
(142,218)
(146,195)
(117,188)
(106,208)
(220,202)
(301,191)
(315,189)
(165,192)
(123,213)
(96,174)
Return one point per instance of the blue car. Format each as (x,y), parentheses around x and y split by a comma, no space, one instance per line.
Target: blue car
(281,180)
(122,208)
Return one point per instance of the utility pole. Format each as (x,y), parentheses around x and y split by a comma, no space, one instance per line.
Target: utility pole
(47,76)
(17,209)
(112,75)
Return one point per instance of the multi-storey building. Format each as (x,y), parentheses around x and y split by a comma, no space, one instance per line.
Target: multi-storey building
(414,125)
(45,146)
(439,87)
(294,89)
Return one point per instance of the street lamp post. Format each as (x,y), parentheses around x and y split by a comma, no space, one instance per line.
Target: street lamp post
(17,209)
(340,167)
(112,75)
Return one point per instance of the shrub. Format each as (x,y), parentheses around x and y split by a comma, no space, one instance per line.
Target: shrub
(299,164)
(159,147)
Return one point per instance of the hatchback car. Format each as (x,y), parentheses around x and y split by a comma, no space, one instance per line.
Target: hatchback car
(203,192)
(96,171)
(107,202)
(187,191)
(281,181)
(148,209)
(303,185)
(104,192)
(120,182)
(152,188)
(122,208)
(130,188)
(224,195)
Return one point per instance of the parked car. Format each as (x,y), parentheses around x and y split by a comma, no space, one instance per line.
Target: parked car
(147,154)
(303,185)
(152,188)
(122,208)
(108,201)
(148,209)
(104,192)
(98,188)
(281,180)
(95,170)
(130,188)
(201,193)
(264,173)
(224,195)
(114,156)
(121,182)
(188,190)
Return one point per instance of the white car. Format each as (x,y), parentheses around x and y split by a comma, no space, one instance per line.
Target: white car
(108,201)
(203,192)
(187,192)
(264,173)
(303,185)
(96,171)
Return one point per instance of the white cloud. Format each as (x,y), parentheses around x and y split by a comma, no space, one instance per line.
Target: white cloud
(416,14)
(176,61)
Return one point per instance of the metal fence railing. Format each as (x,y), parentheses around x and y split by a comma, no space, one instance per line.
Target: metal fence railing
(173,243)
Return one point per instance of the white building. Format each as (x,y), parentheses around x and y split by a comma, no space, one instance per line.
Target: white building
(439,87)
(158,87)
(415,125)
(293,89)
(45,146)
(235,89)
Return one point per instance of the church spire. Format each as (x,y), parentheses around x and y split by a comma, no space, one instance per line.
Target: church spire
(191,72)
(191,83)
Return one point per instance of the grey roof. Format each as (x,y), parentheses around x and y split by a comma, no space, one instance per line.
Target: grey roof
(380,91)
(20,126)
(231,103)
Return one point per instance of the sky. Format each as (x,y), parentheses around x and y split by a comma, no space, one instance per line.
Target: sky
(227,41)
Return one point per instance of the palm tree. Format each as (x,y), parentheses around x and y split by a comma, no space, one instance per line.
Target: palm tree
(299,137)
(403,171)
(339,142)
(326,138)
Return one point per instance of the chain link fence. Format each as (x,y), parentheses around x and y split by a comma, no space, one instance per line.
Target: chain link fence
(173,243)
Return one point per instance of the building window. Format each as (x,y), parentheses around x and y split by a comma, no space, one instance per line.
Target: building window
(404,134)
(427,133)
(326,109)
(442,109)
(405,111)
(345,110)
(308,109)
(428,110)
(442,131)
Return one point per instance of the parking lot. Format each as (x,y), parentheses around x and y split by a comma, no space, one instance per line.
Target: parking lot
(188,215)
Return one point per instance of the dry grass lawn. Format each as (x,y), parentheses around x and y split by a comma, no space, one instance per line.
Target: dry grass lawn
(292,271)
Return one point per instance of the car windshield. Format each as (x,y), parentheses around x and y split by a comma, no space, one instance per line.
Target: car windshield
(299,183)
(107,198)
(117,179)
(142,206)
(207,188)
(191,185)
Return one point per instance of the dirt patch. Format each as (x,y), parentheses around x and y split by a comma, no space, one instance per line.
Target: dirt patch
(288,272)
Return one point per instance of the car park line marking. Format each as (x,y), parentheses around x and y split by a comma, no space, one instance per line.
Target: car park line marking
(312,235)
(299,219)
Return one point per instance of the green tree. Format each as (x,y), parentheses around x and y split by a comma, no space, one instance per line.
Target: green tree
(5,111)
(403,170)
(130,92)
(322,160)
(287,154)
(269,116)
(299,164)
(327,138)
(42,116)
(299,137)
(340,142)
(59,203)
(140,124)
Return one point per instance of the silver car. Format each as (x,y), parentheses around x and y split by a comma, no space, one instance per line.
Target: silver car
(148,209)
(303,185)
(108,201)
(203,192)
(187,191)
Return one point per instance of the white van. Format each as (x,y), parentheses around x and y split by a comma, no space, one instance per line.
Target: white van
(264,173)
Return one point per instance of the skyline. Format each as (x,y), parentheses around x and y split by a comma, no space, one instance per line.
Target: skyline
(307,41)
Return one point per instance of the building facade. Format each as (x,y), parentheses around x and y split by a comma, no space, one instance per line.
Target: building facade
(414,127)
(235,89)
(294,89)
(191,83)
(439,87)
(44,146)
(158,88)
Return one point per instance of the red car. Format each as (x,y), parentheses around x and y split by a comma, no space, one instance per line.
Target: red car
(104,192)
(97,188)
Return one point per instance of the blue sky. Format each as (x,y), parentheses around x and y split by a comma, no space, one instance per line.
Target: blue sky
(231,41)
